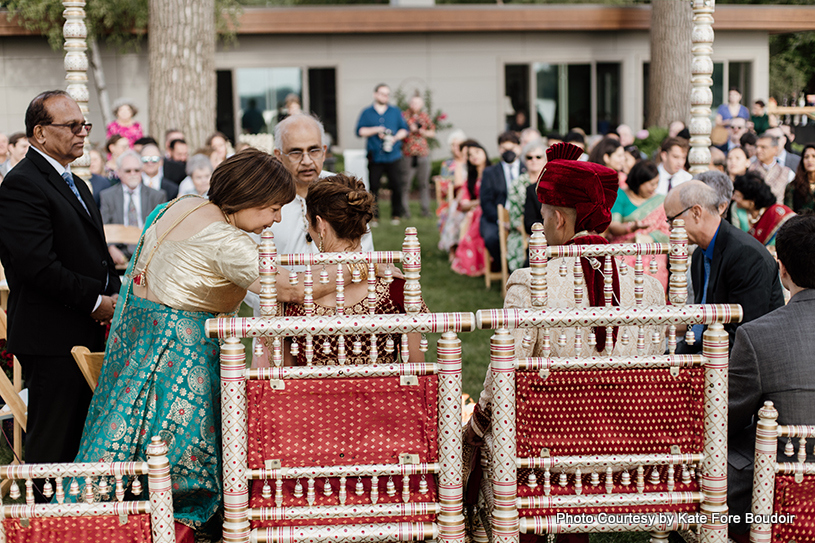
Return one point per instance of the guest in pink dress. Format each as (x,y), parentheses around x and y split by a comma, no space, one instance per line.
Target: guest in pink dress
(124,125)
(469,257)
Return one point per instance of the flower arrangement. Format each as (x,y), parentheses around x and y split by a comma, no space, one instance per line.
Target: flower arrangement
(438,116)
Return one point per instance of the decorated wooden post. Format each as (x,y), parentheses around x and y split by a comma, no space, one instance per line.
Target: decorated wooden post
(76,72)
(702,79)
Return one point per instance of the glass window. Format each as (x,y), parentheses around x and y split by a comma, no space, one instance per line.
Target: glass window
(608,96)
(718,87)
(579,98)
(547,96)
(516,83)
(264,91)
(740,76)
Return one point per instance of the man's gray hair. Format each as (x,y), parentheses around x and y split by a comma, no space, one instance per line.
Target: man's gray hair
(456,135)
(198,162)
(718,181)
(537,143)
(692,194)
(283,126)
(128,153)
(773,139)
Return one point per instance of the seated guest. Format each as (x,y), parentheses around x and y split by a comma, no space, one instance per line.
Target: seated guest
(672,155)
(452,174)
(764,215)
(199,171)
(638,215)
(129,202)
(98,180)
(766,165)
(450,233)
(114,147)
(729,266)
(469,254)
(772,360)
(153,171)
(175,165)
(576,199)
(611,154)
(194,262)
(800,194)
(494,188)
(339,209)
(533,158)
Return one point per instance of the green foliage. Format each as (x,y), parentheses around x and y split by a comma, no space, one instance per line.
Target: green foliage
(122,22)
(438,117)
(792,65)
(651,144)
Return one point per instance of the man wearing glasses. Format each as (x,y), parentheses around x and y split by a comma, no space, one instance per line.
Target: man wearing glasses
(60,275)
(300,145)
(153,171)
(729,266)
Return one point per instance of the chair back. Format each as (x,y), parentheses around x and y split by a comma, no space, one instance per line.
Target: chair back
(96,509)
(369,451)
(783,492)
(90,364)
(119,233)
(584,434)
(13,395)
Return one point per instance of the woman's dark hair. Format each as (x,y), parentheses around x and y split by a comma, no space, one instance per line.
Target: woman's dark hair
(642,172)
(801,182)
(795,246)
(472,170)
(250,178)
(343,202)
(111,141)
(605,146)
(752,187)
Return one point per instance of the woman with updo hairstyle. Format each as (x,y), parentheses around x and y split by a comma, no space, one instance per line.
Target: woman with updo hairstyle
(339,209)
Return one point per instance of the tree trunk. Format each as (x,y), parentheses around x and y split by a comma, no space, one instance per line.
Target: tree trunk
(181,35)
(669,88)
(99,79)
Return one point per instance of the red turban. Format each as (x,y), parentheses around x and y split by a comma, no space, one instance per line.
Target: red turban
(588,188)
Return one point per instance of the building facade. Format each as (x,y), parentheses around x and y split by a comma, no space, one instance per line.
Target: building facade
(563,66)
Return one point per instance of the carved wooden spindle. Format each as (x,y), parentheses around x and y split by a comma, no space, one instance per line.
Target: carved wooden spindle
(608,293)
(267,267)
(308,306)
(75,33)
(372,308)
(678,285)
(701,95)
(537,263)
(412,265)
(342,356)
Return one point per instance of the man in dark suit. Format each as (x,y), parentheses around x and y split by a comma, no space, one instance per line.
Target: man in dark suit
(729,266)
(495,183)
(61,278)
(129,202)
(152,173)
(772,360)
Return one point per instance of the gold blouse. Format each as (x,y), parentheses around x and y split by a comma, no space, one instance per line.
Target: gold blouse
(209,271)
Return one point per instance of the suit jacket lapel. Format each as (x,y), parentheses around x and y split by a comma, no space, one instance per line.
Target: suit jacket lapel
(715,266)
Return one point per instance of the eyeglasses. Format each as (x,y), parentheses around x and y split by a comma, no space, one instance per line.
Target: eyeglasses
(75,127)
(150,159)
(670,220)
(297,155)
(134,170)
(535,157)
(731,127)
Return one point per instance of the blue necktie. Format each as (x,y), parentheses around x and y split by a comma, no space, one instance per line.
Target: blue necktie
(70,180)
(698,329)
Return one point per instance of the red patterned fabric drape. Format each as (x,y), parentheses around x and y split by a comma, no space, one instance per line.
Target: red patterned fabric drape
(79,530)
(796,499)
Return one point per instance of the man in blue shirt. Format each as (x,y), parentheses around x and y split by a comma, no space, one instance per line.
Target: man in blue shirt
(385,129)
(729,266)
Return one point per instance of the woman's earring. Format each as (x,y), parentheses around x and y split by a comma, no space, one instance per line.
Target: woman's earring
(321,244)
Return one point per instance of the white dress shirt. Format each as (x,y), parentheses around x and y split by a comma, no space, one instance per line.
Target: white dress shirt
(126,192)
(511,172)
(675,180)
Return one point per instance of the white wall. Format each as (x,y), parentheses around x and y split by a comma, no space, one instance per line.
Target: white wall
(465,71)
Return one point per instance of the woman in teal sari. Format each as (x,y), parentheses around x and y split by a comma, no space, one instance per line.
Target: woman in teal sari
(160,375)
(638,215)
